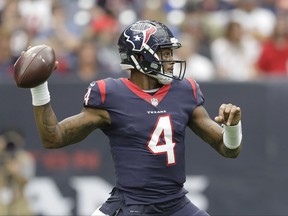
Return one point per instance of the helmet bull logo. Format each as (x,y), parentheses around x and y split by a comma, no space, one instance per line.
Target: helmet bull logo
(138,36)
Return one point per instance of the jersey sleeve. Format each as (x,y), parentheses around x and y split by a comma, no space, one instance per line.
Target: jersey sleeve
(197,93)
(95,95)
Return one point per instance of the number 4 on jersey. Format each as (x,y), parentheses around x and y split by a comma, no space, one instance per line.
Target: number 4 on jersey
(161,141)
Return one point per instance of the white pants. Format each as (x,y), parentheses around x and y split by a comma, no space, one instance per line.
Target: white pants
(97,212)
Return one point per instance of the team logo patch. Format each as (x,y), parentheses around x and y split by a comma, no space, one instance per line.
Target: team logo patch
(139,34)
(154,102)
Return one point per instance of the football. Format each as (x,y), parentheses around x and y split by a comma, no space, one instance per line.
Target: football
(34,66)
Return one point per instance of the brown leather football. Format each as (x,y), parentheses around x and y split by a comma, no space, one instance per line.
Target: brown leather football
(34,66)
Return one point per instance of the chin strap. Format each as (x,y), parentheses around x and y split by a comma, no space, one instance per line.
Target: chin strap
(162,79)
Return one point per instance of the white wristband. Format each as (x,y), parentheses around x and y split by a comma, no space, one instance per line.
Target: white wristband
(40,94)
(232,135)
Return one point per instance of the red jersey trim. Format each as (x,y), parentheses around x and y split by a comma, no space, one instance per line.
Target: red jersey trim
(102,88)
(194,87)
(160,94)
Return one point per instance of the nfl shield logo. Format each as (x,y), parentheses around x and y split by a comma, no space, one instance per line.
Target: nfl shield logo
(154,101)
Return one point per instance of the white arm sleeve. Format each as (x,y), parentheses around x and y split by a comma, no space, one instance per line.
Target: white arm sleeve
(232,135)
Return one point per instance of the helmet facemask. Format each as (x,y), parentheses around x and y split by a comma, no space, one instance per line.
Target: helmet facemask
(150,39)
(167,64)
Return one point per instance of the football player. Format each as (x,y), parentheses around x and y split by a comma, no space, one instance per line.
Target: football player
(145,118)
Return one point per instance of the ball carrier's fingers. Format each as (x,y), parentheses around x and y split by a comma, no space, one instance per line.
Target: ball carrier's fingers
(22,53)
(229,114)
(56,65)
(56,62)
(220,118)
(234,116)
(26,50)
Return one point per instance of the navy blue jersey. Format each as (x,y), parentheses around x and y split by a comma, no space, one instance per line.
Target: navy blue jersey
(147,135)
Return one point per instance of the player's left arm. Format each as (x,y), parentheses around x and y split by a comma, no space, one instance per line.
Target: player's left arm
(212,133)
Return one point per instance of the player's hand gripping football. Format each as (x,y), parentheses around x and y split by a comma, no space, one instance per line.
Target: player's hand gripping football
(34,66)
(56,62)
(229,114)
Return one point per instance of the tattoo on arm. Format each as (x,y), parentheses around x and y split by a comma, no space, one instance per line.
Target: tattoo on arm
(71,130)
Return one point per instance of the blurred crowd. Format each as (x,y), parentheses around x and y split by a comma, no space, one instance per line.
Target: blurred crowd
(236,40)
(17,168)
